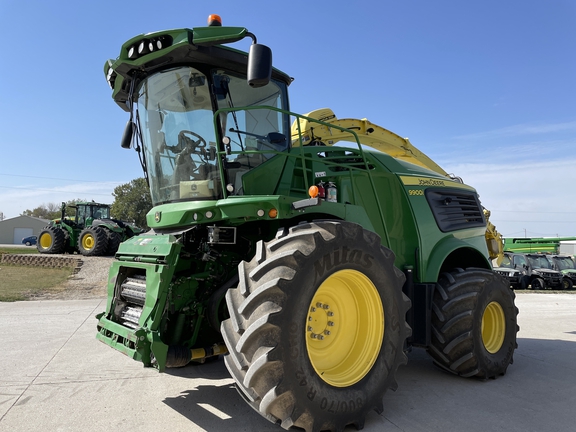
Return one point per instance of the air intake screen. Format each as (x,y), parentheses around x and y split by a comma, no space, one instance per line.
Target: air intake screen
(455,210)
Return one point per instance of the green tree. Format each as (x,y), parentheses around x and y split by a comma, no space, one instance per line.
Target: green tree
(132,201)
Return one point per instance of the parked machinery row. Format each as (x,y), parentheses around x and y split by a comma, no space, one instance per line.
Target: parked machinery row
(538,270)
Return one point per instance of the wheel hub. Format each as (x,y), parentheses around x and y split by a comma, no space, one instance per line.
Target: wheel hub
(493,327)
(88,242)
(344,328)
(320,321)
(45,241)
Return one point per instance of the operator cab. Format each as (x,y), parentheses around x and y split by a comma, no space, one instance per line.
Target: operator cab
(203,128)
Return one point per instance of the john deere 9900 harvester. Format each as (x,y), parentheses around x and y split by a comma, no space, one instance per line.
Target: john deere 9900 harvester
(312,261)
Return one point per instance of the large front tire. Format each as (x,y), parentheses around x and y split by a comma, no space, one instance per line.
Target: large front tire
(317,328)
(474,323)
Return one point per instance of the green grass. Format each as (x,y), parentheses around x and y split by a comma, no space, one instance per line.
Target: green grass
(19,250)
(25,282)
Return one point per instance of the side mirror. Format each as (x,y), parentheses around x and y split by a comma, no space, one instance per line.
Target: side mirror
(276,138)
(259,65)
(127,137)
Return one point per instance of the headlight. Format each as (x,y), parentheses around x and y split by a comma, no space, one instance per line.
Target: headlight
(143,47)
(132,52)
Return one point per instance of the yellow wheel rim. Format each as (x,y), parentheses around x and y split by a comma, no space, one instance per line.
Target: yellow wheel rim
(88,241)
(493,327)
(344,328)
(45,241)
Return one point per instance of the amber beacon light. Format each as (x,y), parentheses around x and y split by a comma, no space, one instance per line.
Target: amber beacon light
(214,20)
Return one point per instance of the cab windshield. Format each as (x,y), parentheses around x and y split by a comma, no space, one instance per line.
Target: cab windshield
(84,212)
(506,262)
(176,110)
(564,263)
(539,262)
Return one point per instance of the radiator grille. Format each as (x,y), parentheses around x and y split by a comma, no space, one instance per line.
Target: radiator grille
(455,209)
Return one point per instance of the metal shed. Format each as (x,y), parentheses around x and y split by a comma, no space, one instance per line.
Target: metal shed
(13,230)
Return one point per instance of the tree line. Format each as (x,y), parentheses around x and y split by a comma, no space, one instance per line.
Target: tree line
(131,203)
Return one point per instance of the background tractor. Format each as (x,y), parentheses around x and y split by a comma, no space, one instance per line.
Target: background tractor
(92,232)
(313,251)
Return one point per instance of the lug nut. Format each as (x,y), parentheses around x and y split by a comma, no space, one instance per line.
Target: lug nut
(325,306)
(327,332)
(330,323)
(319,304)
(330,313)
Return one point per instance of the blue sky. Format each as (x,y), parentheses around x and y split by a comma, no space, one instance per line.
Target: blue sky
(486,89)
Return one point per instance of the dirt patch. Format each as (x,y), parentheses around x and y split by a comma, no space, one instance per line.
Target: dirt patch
(90,281)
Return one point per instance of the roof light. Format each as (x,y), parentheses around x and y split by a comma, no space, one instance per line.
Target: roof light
(143,47)
(111,77)
(132,52)
(214,20)
(155,44)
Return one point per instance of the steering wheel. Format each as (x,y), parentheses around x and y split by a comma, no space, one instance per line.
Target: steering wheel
(200,143)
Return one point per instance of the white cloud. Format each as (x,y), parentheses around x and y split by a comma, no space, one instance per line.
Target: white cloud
(535,197)
(519,130)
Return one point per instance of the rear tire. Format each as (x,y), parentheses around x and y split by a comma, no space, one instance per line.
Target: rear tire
(51,240)
(300,352)
(474,323)
(114,240)
(92,241)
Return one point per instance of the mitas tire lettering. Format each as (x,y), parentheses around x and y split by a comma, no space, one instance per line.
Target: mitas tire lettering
(269,315)
(340,256)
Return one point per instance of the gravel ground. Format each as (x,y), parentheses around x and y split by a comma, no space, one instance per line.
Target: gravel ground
(89,282)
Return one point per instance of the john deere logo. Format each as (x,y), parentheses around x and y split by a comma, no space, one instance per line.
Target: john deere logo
(158,216)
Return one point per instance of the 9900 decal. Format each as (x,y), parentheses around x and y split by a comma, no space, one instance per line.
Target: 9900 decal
(419,192)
